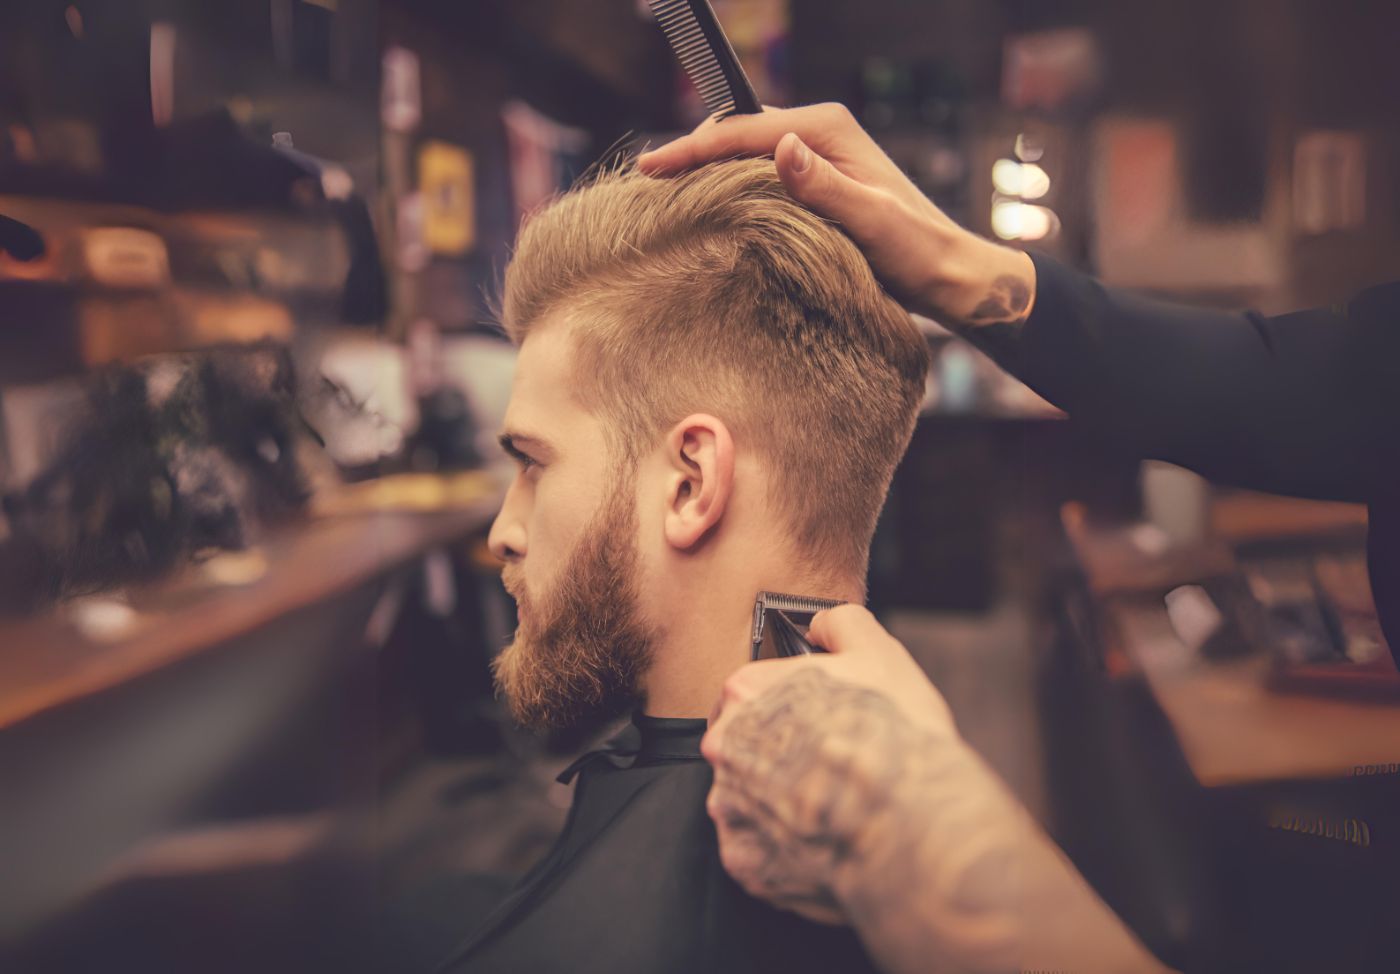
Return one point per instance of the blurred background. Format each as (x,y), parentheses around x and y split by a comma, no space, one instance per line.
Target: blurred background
(249,389)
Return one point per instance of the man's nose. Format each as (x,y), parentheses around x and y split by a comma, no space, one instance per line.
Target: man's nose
(507,537)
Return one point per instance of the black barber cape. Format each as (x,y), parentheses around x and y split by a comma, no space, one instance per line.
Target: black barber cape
(1306,404)
(634,884)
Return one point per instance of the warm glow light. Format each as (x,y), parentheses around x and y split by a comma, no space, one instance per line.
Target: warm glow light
(1014,220)
(1025,180)
(1006,177)
(1035,182)
(1007,220)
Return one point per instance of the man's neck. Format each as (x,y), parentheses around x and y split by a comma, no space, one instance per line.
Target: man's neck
(707,639)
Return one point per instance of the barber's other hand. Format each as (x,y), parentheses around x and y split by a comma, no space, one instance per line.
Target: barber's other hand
(807,750)
(829,163)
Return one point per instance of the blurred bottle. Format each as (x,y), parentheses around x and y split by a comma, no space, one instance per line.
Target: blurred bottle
(444,439)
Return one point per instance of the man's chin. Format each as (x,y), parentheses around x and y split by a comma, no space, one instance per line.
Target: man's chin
(541,698)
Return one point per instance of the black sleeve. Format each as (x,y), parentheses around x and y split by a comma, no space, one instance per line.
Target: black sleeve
(1305,404)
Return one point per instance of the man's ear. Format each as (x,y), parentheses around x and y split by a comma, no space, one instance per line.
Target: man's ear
(700,456)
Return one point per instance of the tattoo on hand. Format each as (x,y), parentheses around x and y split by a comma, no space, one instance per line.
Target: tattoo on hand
(822,754)
(833,799)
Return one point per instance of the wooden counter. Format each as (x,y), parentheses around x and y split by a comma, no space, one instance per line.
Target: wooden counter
(1233,726)
(49,660)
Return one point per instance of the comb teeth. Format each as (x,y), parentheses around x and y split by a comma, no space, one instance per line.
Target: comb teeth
(703,54)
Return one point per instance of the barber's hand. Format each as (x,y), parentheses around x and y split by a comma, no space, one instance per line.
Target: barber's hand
(807,750)
(828,163)
(843,792)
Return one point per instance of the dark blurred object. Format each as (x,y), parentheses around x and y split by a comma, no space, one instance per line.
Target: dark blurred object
(238,917)
(927,95)
(1297,629)
(365,298)
(446,434)
(434,670)
(19,240)
(171,458)
(200,162)
(886,96)
(1329,637)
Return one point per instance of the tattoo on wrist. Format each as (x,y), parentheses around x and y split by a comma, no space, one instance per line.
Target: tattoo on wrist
(1007,301)
(995,325)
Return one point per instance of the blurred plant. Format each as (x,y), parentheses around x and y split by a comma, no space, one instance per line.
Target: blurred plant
(173,458)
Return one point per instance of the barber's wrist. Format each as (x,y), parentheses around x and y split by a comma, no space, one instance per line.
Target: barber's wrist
(975,282)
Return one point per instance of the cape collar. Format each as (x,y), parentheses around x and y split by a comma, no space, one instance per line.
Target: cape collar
(647,740)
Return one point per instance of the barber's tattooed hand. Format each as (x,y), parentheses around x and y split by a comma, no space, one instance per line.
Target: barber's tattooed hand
(844,793)
(825,754)
(831,803)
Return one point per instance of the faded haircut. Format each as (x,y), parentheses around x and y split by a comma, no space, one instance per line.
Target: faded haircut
(716,292)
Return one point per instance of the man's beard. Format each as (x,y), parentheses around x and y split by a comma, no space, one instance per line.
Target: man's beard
(581,651)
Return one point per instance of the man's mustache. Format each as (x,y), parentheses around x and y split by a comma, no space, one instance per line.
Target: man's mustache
(514,587)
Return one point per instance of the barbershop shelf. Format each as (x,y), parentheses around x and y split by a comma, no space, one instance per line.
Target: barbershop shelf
(94,645)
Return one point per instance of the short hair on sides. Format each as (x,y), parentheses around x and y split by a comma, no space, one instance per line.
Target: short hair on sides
(714,291)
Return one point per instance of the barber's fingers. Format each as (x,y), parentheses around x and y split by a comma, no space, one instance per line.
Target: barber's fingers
(828,128)
(866,213)
(849,628)
(738,135)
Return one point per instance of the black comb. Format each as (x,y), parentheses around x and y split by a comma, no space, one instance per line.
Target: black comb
(784,618)
(699,42)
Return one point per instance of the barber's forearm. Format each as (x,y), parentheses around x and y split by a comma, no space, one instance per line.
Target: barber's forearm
(953,874)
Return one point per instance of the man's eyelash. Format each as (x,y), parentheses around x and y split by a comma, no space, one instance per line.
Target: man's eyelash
(518,455)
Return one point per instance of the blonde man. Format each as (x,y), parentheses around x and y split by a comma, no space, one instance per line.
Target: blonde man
(711,396)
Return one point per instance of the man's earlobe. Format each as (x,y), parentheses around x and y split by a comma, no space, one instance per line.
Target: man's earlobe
(701,456)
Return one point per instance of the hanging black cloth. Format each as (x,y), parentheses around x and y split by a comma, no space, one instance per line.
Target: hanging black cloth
(634,884)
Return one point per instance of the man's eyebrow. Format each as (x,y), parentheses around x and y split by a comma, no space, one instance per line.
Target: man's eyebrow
(511,441)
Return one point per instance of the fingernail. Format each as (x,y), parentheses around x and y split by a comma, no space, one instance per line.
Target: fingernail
(802,156)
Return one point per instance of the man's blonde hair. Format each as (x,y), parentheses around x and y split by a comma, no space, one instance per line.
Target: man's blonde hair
(715,292)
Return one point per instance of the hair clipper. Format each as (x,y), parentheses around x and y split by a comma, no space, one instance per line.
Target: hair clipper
(781,621)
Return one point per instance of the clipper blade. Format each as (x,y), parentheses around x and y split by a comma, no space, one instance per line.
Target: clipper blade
(787,618)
